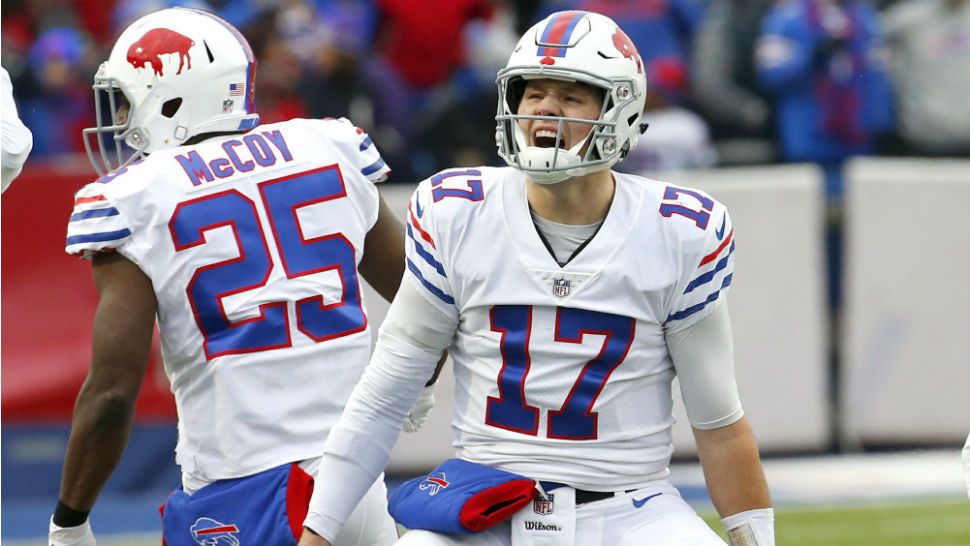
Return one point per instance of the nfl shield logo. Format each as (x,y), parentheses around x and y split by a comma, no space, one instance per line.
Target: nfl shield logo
(227,106)
(542,506)
(560,287)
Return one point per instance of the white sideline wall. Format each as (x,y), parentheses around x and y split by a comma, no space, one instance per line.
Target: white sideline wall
(906,351)
(777,302)
(777,308)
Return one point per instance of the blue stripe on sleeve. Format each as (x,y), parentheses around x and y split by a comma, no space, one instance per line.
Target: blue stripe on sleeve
(709,276)
(98,237)
(695,308)
(366,143)
(425,254)
(93,213)
(373,167)
(431,288)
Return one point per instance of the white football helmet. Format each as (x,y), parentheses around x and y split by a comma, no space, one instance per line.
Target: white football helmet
(582,47)
(182,72)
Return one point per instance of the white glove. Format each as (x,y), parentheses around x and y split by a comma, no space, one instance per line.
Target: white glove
(419,411)
(71,536)
(751,528)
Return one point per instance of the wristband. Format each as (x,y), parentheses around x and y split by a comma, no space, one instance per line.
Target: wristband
(751,527)
(65,516)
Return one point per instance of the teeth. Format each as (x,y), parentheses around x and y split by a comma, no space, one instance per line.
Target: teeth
(545,133)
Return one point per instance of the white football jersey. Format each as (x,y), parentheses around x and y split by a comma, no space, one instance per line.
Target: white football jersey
(563,373)
(252,244)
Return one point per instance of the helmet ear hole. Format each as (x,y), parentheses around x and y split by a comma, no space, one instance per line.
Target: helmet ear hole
(171,107)
(514,93)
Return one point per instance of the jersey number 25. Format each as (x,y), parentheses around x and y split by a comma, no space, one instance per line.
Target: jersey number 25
(251,269)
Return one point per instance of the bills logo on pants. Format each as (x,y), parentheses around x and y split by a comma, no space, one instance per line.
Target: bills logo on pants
(434,484)
(209,532)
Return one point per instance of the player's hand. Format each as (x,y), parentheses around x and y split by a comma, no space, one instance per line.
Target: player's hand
(71,536)
(310,538)
(419,411)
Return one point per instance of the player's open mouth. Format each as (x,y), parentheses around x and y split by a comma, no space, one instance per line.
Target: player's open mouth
(544,138)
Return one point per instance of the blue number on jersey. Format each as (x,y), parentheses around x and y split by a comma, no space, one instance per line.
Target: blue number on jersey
(315,318)
(251,269)
(510,410)
(700,217)
(575,420)
(212,282)
(473,193)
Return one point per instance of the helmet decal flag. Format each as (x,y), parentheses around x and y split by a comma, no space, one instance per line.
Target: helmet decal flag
(250,91)
(157,42)
(555,38)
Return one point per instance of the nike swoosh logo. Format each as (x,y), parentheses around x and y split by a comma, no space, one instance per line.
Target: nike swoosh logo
(641,502)
(417,205)
(720,230)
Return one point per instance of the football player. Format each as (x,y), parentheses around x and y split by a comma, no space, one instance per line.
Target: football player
(569,297)
(17,140)
(244,242)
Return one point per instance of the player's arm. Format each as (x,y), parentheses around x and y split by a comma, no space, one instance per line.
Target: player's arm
(121,341)
(17,140)
(736,482)
(383,261)
(726,446)
(383,267)
(359,446)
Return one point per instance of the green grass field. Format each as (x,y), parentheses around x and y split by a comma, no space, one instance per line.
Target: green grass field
(944,523)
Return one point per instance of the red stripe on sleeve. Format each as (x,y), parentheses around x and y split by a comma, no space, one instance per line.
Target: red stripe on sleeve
(92,199)
(424,234)
(713,255)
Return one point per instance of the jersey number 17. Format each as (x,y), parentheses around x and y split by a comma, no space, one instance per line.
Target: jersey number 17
(575,420)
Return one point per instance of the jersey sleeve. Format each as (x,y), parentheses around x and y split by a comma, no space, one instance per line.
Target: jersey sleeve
(96,224)
(706,269)
(358,148)
(424,253)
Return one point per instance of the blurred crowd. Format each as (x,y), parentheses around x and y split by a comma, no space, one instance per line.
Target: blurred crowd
(731,82)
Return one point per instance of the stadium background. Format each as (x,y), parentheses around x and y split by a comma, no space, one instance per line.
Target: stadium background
(860,395)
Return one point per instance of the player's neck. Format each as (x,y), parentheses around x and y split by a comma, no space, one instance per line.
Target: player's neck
(582,200)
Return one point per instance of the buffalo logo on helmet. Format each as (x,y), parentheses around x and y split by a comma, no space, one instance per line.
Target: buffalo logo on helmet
(625,46)
(209,532)
(157,42)
(434,484)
